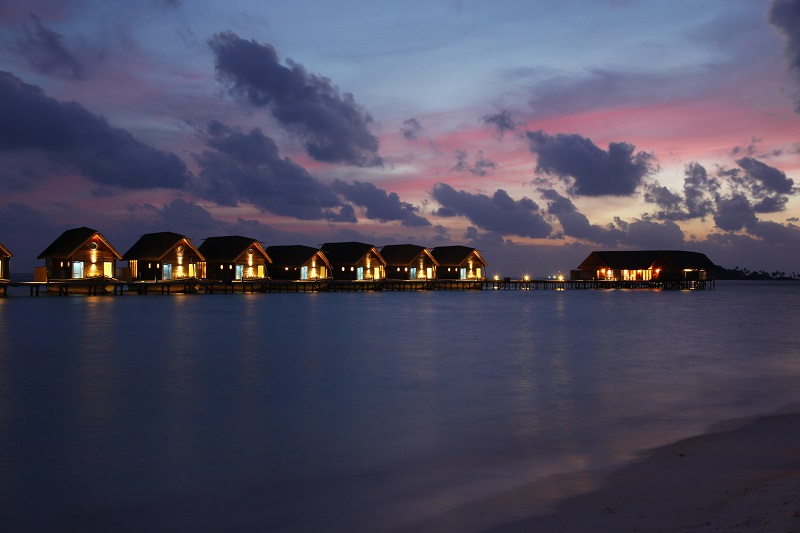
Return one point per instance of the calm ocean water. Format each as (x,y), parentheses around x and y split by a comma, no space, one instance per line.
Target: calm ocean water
(439,411)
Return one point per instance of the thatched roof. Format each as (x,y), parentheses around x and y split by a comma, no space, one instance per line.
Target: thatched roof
(456,255)
(154,246)
(645,259)
(4,251)
(295,255)
(71,241)
(683,260)
(405,254)
(229,248)
(349,253)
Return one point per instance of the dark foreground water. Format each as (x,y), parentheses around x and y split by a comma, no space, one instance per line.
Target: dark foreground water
(440,411)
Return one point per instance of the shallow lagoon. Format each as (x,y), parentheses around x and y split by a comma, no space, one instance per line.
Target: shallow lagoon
(365,411)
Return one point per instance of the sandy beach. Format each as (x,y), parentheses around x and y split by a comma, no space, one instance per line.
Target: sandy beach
(743,476)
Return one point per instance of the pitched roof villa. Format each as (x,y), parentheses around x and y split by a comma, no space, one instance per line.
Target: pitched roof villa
(409,261)
(234,258)
(298,263)
(354,261)
(163,256)
(459,262)
(78,253)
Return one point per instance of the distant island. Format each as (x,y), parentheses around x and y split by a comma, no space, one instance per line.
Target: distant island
(745,274)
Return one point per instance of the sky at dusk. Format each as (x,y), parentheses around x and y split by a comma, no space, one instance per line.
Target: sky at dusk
(536,132)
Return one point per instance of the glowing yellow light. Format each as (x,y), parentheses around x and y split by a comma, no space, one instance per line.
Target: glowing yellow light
(526,277)
(496,277)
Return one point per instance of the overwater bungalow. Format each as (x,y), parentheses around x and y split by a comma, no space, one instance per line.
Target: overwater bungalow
(354,261)
(234,258)
(298,263)
(459,262)
(5,263)
(79,253)
(409,262)
(645,265)
(163,256)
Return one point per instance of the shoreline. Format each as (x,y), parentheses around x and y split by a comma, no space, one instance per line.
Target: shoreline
(741,475)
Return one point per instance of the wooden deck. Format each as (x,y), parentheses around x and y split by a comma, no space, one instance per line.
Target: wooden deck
(196,286)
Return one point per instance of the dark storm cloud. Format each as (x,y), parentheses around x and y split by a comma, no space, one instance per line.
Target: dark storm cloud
(72,138)
(501,122)
(411,129)
(734,213)
(592,170)
(499,213)
(331,125)
(764,179)
(785,15)
(480,167)
(380,205)
(46,51)
(576,224)
(246,166)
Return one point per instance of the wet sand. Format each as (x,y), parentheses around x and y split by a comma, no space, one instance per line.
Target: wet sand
(743,477)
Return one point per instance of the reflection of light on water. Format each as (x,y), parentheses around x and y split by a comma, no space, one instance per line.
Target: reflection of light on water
(387,408)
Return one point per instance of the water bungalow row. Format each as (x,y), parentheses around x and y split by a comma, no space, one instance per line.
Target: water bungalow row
(83,260)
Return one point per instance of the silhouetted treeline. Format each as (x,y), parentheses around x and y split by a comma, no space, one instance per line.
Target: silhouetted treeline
(743,273)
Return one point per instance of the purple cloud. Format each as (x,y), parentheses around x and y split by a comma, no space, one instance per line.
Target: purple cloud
(246,166)
(380,205)
(411,129)
(576,224)
(71,138)
(331,125)
(501,122)
(46,51)
(480,167)
(785,16)
(499,213)
(591,171)
(734,213)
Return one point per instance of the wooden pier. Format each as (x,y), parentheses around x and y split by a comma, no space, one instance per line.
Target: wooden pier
(196,286)
(66,287)
(564,285)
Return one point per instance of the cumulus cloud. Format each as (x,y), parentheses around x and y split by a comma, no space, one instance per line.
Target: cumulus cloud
(576,224)
(379,204)
(501,122)
(411,129)
(47,52)
(246,166)
(480,167)
(763,179)
(72,139)
(697,201)
(785,16)
(698,190)
(734,212)
(588,169)
(331,125)
(499,213)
